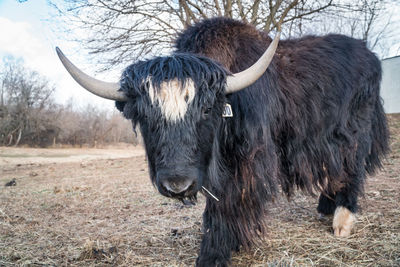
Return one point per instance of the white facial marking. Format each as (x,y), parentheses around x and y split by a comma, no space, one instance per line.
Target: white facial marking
(343,221)
(172,98)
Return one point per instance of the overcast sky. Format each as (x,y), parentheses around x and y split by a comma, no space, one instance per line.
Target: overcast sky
(28,32)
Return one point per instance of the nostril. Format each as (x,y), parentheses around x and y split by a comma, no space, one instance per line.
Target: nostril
(178,185)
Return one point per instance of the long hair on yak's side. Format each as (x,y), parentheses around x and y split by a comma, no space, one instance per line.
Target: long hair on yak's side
(326,136)
(244,183)
(239,172)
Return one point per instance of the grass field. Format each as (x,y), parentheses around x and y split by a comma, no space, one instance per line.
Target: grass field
(82,207)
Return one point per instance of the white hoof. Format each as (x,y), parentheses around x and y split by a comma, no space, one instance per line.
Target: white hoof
(343,222)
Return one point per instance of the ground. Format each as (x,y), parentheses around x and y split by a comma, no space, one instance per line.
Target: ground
(85,207)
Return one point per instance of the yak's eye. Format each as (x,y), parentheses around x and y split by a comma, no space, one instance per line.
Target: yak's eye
(206,112)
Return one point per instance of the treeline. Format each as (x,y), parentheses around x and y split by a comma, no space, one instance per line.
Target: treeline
(30,116)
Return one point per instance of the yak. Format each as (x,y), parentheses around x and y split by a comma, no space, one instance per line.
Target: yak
(221,117)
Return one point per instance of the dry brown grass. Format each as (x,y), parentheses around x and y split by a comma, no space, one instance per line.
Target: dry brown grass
(105,212)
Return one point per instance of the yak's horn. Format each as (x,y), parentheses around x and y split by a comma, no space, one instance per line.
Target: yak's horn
(97,87)
(241,80)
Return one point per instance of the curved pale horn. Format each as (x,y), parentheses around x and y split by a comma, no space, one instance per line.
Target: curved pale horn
(241,80)
(97,87)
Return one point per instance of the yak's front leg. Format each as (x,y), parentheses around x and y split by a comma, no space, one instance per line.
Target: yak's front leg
(343,206)
(218,240)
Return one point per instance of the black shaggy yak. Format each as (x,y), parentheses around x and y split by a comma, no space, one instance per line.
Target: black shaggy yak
(313,121)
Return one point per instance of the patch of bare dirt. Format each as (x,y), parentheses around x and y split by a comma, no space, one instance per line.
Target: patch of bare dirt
(22,156)
(105,212)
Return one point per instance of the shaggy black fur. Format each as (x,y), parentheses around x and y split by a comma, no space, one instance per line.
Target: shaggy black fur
(313,121)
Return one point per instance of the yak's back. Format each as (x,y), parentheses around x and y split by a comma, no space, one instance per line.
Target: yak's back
(234,44)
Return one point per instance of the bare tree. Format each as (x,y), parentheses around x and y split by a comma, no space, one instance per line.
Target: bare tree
(26,113)
(93,126)
(123,31)
(29,115)
(369,20)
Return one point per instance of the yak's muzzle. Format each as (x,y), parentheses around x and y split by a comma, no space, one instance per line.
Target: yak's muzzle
(176,185)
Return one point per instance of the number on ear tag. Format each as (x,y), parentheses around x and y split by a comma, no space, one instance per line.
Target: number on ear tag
(227,111)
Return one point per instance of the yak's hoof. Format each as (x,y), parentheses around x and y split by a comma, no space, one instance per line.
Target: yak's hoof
(207,262)
(343,222)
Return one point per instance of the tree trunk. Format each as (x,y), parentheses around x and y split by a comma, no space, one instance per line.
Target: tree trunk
(19,137)
(10,136)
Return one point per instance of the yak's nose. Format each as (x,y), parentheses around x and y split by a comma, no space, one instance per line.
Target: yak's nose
(177,184)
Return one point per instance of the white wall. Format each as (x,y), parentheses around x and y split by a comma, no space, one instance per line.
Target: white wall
(390,86)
